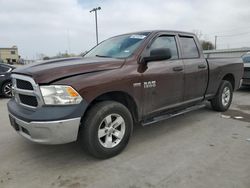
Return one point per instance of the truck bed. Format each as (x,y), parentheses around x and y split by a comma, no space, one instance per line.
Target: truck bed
(220,67)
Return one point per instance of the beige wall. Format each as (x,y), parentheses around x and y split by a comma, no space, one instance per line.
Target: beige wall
(9,55)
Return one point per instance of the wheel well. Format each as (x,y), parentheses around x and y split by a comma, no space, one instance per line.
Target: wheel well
(230,78)
(120,97)
(4,82)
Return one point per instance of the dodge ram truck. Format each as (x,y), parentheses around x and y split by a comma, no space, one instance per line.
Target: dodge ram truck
(131,79)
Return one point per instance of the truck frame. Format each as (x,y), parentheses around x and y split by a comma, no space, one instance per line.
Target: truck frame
(135,78)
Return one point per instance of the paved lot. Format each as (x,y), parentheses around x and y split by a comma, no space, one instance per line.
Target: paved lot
(195,150)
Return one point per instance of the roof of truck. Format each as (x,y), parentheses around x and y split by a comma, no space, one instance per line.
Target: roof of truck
(157,31)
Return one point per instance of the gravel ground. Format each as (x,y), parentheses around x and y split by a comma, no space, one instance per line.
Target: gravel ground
(201,149)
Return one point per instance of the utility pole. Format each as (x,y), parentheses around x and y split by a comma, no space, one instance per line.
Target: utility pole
(68,41)
(96,26)
(215,42)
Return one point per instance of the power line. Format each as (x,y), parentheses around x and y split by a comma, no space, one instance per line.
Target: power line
(226,31)
(243,42)
(234,35)
(224,36)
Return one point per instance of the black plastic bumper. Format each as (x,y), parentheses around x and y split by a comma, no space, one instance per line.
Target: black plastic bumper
(246,82)
(47,113)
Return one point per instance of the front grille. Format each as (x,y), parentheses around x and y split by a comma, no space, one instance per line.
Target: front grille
(28,100)
(26,92)
(23,84)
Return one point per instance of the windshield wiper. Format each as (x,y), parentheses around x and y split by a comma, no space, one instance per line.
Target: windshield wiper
(103,56)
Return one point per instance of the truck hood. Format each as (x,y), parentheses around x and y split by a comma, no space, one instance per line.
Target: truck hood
(49,71)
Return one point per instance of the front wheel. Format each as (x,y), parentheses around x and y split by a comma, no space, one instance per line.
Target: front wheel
(106,129)
(223,98)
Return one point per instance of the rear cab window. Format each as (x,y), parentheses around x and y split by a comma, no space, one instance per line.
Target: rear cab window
(189,47)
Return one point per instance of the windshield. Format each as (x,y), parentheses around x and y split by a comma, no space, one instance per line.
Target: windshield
(246,59)
(118,47)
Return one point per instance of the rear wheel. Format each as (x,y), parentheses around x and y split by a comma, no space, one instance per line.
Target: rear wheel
(106,129)
(223,98)
(7,89)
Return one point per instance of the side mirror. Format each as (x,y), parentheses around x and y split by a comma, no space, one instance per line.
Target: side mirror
(158,54)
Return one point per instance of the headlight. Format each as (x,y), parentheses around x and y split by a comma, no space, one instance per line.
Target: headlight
(60,95)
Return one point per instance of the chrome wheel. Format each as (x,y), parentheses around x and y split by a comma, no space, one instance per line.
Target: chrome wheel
(7,89)
(226,95)
(111,130)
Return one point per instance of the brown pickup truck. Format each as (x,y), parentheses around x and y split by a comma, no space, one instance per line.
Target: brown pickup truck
(136,78)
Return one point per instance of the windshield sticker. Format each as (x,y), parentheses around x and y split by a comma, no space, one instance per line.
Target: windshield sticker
(137,36)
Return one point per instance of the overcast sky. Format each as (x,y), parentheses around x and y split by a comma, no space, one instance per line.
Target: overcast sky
(52,26)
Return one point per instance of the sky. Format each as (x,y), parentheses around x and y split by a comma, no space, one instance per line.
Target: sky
(52,26)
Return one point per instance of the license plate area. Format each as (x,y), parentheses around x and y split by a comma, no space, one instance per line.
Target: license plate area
(13,123)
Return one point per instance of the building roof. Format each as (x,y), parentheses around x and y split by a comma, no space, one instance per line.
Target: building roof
(11,48)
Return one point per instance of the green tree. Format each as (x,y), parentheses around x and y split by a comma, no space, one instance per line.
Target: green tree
(207,45)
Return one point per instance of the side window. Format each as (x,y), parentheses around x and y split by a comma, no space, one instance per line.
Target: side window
(189,48)
(166,42)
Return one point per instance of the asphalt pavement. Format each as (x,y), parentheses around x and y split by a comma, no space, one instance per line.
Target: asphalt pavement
(201,149)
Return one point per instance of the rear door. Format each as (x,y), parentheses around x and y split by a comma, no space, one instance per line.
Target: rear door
(196,70)
(163,80)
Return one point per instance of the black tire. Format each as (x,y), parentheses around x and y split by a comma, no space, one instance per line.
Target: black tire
(92,122)
(6,89)
(217,102)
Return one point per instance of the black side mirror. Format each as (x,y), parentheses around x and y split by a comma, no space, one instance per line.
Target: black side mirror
(158,54)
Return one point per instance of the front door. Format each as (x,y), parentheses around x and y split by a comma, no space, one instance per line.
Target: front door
(163,81)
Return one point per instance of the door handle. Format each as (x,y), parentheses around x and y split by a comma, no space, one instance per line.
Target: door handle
(177,69)
(202,66)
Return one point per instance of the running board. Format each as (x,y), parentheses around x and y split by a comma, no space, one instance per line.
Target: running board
(170,115)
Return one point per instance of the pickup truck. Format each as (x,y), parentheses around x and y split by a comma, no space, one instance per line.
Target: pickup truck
(131,79)
(246,75)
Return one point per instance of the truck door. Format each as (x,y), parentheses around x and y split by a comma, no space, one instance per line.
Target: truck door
(163,81)
(195,69)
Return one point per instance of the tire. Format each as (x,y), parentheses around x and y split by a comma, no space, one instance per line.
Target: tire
(6,89)
(99,137)
(223,98)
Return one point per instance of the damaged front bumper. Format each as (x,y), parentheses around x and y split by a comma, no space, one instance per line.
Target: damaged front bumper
(47,124)
(47,132)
